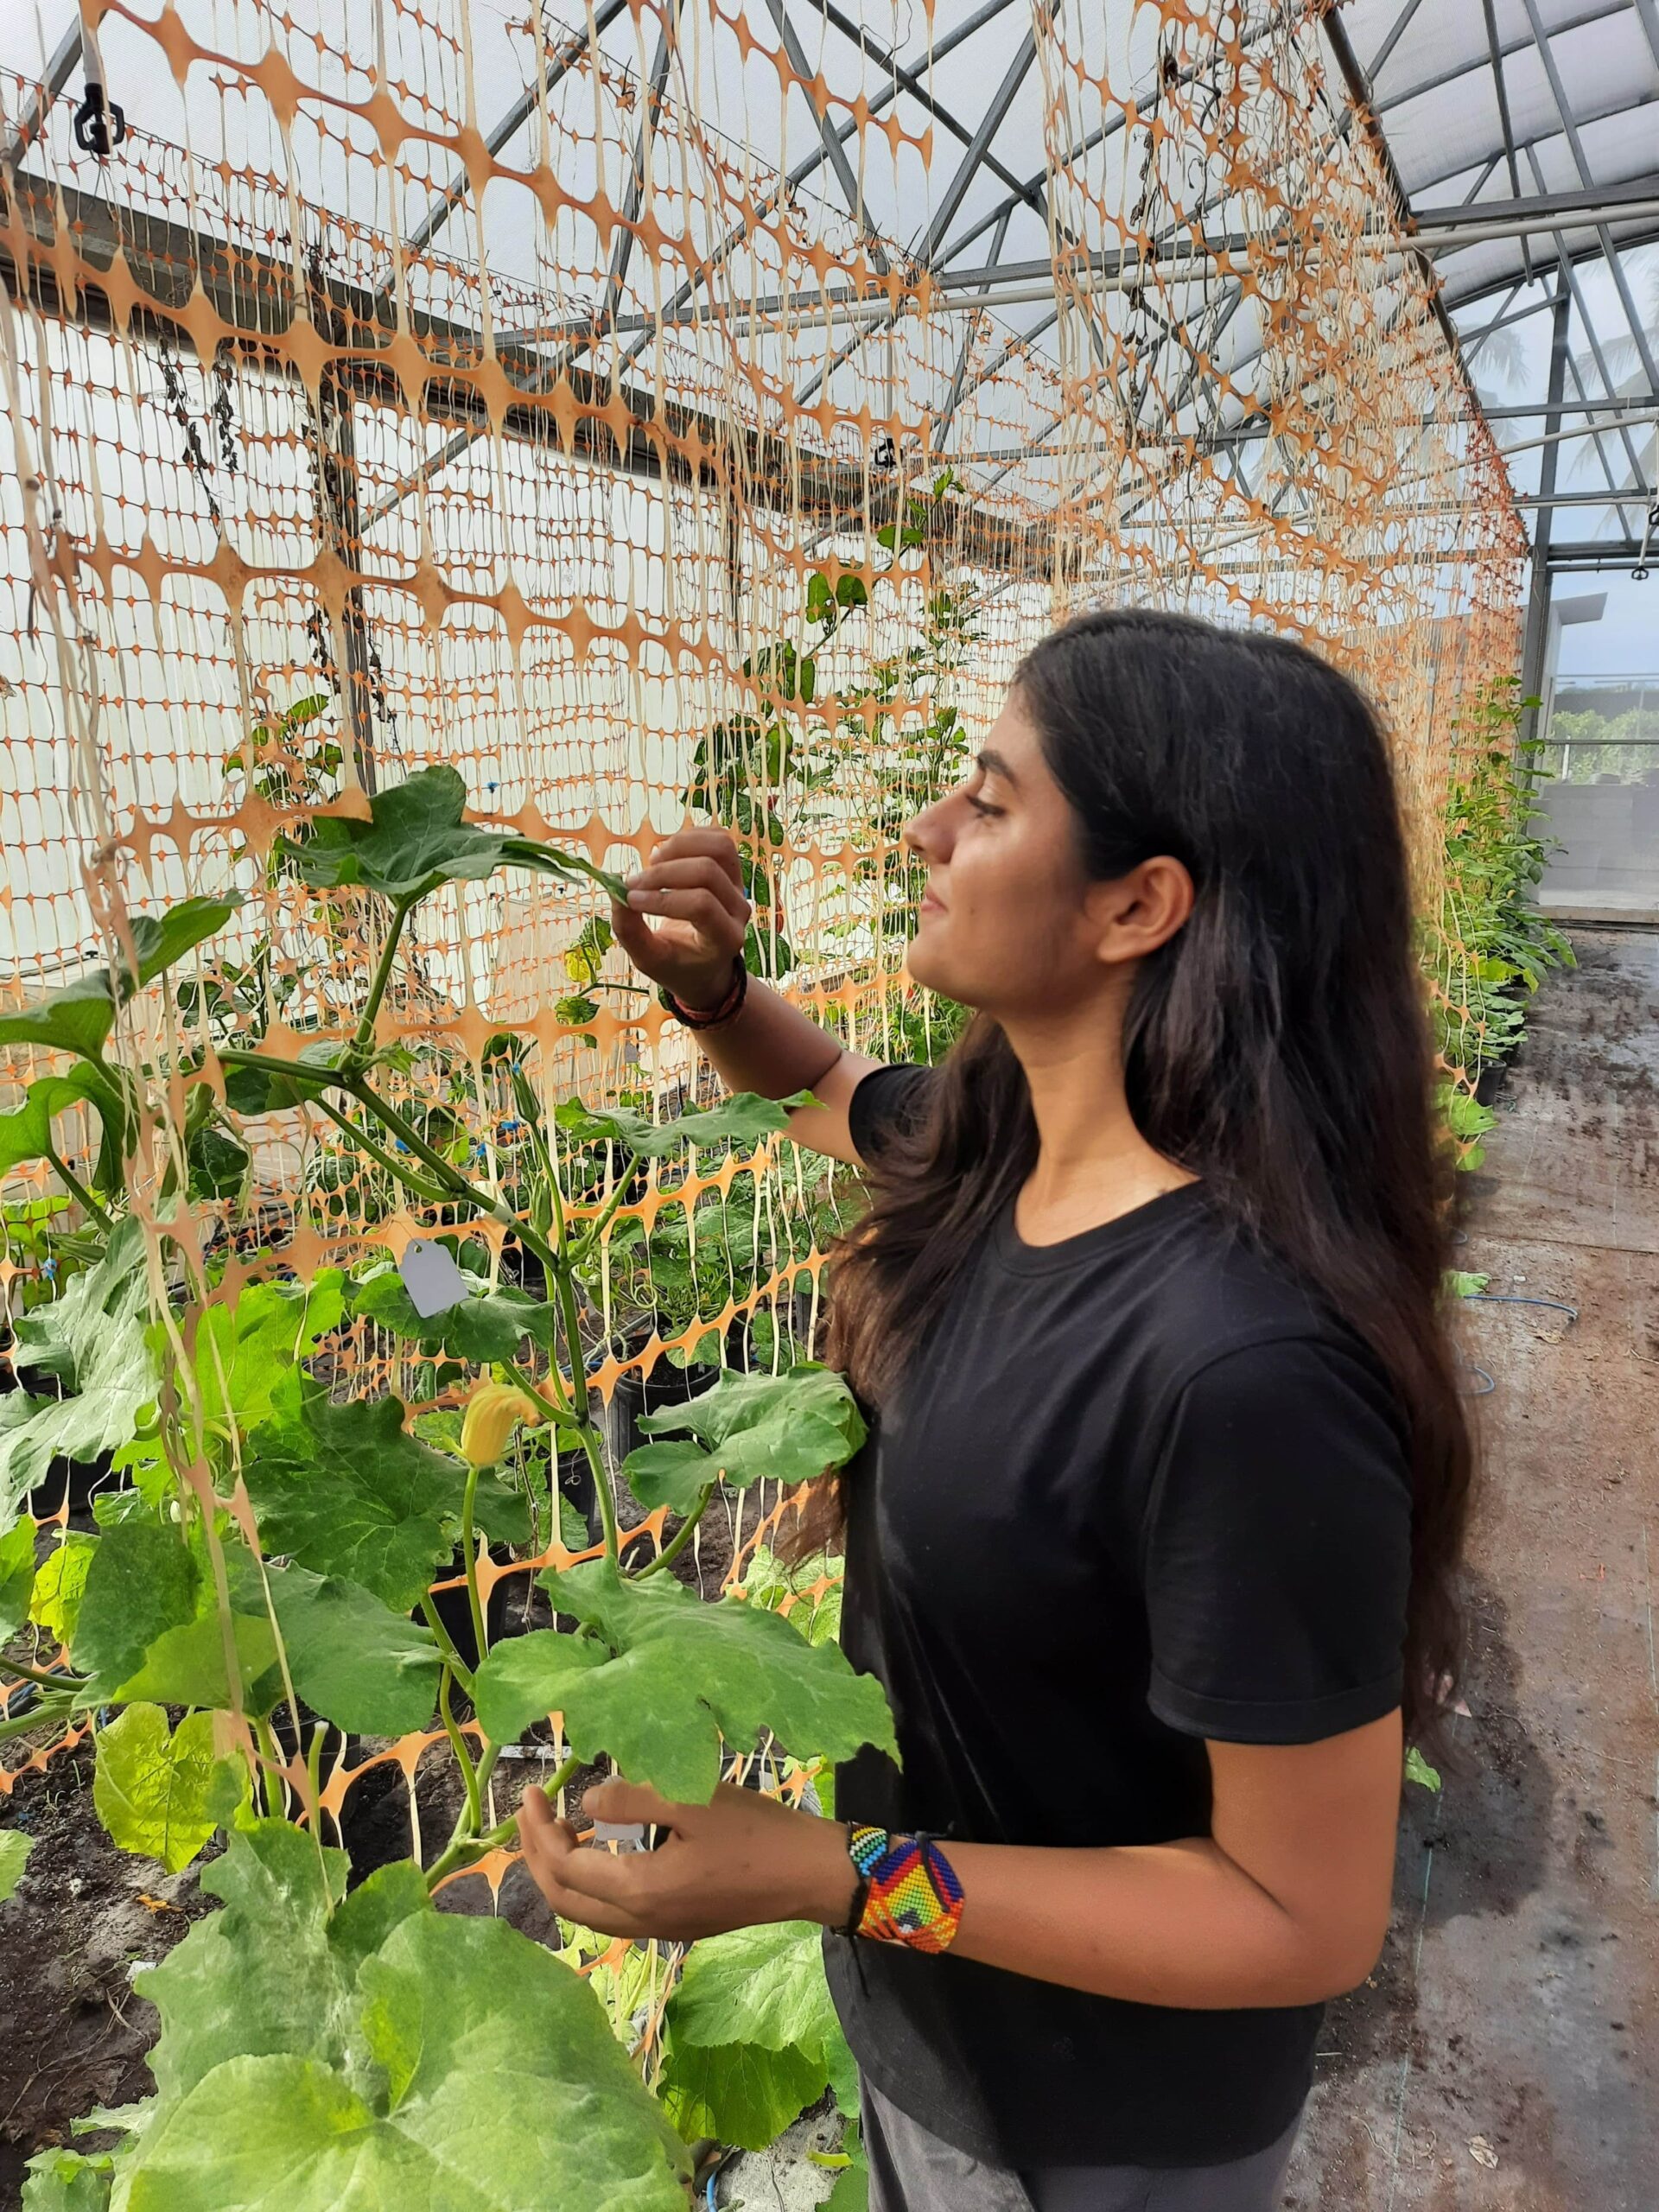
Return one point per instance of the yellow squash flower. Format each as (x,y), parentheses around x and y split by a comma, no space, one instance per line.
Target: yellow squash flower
(493,1411)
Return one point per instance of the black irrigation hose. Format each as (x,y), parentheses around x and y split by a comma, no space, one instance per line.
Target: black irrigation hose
(1508,1298)
(1489,1382)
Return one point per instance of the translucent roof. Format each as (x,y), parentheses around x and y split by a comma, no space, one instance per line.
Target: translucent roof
(1524,135)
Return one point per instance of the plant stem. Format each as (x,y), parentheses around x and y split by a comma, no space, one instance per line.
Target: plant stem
(458,1745)
(58,1682)
(556,1408)
(682,1536)
(462,1848)
(363,1041)
(364,1142)
(48,1709)
(447,1175)
(445,1641)
(469,1562)
(270,1773)
(77,1189)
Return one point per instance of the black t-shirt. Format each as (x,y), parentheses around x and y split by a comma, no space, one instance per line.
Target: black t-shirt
(1136,1488)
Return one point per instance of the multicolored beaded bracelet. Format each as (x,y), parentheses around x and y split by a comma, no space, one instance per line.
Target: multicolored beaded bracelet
(907,1890)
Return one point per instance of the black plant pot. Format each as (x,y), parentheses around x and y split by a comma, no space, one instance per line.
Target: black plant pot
(79,1478)
(456,1614)
(576,1484)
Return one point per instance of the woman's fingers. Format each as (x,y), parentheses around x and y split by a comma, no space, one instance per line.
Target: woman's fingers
(618,1800)
(718,845)
(654,889)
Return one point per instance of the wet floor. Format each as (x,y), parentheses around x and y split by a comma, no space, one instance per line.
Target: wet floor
(1506,2052)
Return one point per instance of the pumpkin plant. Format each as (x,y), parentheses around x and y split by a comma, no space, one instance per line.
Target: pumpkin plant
(261,1565)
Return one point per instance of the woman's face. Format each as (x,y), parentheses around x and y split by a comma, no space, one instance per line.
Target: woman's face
(1004,924)
(1011,922)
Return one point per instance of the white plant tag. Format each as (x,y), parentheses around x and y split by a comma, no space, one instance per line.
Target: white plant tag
(431,1276)
(628,1835)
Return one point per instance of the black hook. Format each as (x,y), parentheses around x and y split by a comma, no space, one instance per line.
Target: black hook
(94,119)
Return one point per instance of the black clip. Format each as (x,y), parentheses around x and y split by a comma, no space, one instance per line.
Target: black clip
(94,119)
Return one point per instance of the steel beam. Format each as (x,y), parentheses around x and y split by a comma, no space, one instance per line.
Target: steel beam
(968,167)
(834,151)
(1537,628)
(59,70)
(569,55)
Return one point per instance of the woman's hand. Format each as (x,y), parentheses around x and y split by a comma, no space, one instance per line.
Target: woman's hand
(742,1860)
(695,886)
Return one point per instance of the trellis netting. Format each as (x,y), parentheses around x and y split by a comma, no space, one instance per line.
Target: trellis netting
(415,387)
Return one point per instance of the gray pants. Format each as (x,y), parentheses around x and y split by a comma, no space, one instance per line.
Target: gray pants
(912,2170)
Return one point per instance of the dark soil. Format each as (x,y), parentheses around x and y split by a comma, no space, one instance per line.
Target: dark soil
(1505,2053)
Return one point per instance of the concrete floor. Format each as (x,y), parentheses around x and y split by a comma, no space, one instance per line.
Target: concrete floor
(1506,2052)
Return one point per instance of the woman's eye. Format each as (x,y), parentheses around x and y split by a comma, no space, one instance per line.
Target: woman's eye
(981,806)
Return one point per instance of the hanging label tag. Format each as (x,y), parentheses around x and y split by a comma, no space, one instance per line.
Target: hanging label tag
(431,1276)
(626,1835)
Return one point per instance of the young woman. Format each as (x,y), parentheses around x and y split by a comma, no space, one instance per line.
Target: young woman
(1152,1541)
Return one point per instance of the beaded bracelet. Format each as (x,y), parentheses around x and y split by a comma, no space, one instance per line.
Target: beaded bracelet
(737,990)
(907,1892)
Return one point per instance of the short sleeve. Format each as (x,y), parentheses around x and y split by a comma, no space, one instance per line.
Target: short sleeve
(1277,1548)
(888,1098)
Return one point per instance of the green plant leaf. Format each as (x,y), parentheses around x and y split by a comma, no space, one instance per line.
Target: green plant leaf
(185,1664)
(501,1510)
(417,839)
(16,1576)
(59,2180)
(354,1660)
(768,1582)
(686,1673)
(91,1340)
(78,1018)
(343,1490)
(527,1678)
(261,1976)
(142,1579)
(486,1326)
(161,941)
(1459,1283)
(151,1790)
(60,1579)
(788,1428)
(1418,1770)
(252,1087)
(764,1985)
(738,2093)
(26,1133)
(14,1857)
(391,2057)
(245,1356)
(742,1119)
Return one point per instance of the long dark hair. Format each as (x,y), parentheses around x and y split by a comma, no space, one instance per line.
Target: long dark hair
(1277,1045)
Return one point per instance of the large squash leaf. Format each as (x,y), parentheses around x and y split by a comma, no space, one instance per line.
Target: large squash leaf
(92,1341)
(741,1120)
(528,1678)
(685,1673)
(417,839)
(790,1428)
(486,1325)
(16,1576)
(77,1019)
(752,2035)
(14,1857)
(151,1790)
(382,2056)
(26,1133)
(343,1491)
(354,1660)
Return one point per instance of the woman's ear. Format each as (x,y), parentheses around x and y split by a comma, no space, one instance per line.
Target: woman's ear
(1137,913)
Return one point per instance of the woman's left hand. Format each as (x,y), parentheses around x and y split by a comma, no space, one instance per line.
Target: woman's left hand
(734,1863)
